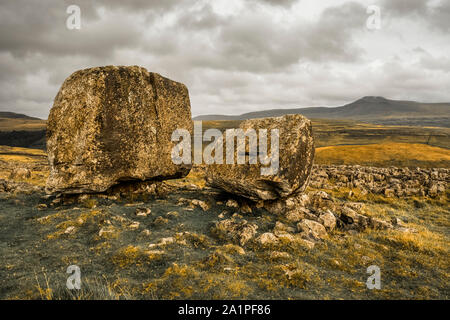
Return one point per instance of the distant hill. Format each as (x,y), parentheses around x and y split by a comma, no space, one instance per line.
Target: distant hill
(19,130)
(376,110)
(13,115)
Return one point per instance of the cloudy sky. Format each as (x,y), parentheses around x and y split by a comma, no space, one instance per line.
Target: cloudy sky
(234,56)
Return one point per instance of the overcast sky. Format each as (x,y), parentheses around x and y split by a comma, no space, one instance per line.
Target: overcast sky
(235,56)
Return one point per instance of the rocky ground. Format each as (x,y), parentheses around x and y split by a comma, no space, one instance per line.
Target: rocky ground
(391,182)
(182,239)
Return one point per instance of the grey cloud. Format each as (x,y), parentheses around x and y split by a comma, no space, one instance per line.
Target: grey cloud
(280,3)
(435,14)
(200,18)
(231,63)
(254,42)
(405,7)
(40,26)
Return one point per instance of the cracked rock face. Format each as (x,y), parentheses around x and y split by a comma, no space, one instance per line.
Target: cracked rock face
(113,124)
(296,154)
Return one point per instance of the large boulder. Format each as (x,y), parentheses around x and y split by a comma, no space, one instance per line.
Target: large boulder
(296,155)
(113,124)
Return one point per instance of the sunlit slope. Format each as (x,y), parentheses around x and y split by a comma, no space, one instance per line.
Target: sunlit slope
(385,154)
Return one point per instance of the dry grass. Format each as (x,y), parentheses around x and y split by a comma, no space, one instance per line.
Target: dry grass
(385,154)
(8,124)
(24,151)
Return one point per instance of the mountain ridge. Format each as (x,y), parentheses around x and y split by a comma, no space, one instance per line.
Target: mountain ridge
(13,115)
(373,109)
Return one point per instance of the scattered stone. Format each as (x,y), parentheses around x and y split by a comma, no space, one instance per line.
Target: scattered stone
(222,214)
(162,242)
(397,222)
(267,239)
(41,206)
(56,202)
(281,228)
(335,262)
(356,206)
(134,225)
(277,255)
(154,252)
(297,214)
(328,220)
(232,203)
(306,243)
(143,212)
(70,230)
(310,227)
(133,204)
(160,221)
(105,231)
(166,241)
(239,232)
(172,214)
(379,224)
(348,215)
(321,200)
(365,260)
(201,204)
(246,209)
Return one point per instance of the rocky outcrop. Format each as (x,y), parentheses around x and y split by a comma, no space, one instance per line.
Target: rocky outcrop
(113,124)
(296,154)
(316,214)
(390,182)
(308,219)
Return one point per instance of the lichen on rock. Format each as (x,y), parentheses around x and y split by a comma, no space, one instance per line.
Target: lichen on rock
(113,124)
(296,154)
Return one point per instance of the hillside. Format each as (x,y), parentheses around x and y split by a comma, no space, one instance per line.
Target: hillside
(19,130)
(376,110)
(13,115)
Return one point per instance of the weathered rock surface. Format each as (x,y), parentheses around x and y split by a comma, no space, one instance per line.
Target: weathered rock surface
(296,154)
(113,124)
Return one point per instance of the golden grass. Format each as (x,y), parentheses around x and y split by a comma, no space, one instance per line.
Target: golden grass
(8,124)
(134,256)
(27,158)
(25,151)
(384,154)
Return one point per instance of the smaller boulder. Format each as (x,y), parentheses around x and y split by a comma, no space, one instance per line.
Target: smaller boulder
(310,227)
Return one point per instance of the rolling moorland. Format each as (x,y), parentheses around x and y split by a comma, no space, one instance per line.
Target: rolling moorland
(376,110)
(19,130)
(168,244)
